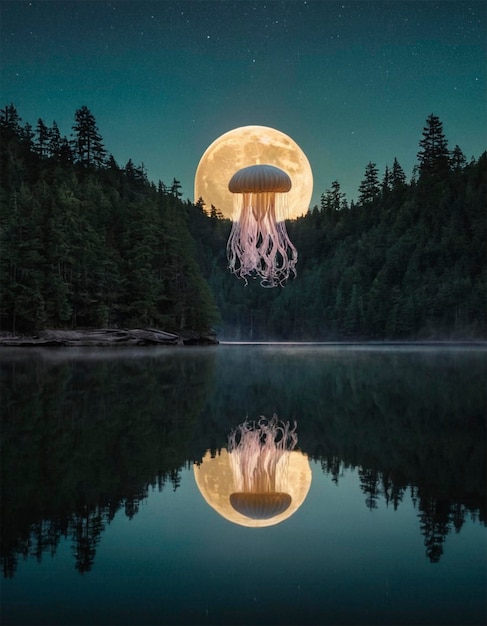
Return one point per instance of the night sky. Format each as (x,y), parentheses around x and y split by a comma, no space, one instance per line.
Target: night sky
(350,82)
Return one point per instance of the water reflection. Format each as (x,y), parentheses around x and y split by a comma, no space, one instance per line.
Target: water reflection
(87,434)
(261,480)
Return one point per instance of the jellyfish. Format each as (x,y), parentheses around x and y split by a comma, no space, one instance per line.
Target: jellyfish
(259,245)
(259,479)
(259,458)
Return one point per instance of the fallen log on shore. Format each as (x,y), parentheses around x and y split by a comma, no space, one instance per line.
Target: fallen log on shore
(107,337)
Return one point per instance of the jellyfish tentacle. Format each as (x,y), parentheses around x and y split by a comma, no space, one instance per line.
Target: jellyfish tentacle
(258,245)
(259,452)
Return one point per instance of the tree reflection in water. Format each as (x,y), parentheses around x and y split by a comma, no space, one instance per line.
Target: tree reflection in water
(85,438)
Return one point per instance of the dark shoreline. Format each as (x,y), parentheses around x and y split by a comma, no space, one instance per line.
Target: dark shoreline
(106,337)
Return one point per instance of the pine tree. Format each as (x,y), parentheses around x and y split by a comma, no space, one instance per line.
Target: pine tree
(333,199)
(87,143)
(398,177)
(135,175)
(42,144)
(175,188)
(10,120)
(54,146)
(387,181)
(369,188)
(12,152)
(27,135)
(434,157)
(58,147)
(457,160)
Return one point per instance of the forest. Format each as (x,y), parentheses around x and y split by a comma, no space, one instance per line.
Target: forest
(87,243)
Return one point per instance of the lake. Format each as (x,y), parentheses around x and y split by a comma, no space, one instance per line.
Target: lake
(124,503)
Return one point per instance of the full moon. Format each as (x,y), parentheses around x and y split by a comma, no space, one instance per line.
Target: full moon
(215,481)
(252,145)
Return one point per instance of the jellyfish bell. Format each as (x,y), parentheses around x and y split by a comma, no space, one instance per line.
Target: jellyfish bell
(259,179)
(259,246)
(260,505)
(260,480)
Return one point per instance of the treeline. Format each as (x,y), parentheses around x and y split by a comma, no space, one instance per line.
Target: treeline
(407,260)
(85,242)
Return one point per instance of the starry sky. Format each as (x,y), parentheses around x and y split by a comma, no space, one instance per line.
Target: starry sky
(350,82)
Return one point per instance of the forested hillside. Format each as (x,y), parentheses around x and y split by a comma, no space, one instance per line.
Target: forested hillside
(87,243)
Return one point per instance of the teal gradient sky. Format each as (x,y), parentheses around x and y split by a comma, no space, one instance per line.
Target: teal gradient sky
(350,82)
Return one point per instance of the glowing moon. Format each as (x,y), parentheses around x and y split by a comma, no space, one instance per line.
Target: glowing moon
(215,481)
(252,145)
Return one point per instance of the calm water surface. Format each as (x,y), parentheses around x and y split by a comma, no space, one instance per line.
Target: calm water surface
(115,472)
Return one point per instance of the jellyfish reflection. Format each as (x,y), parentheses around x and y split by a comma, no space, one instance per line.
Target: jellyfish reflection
(259,245)
(259,458)
(261,479)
